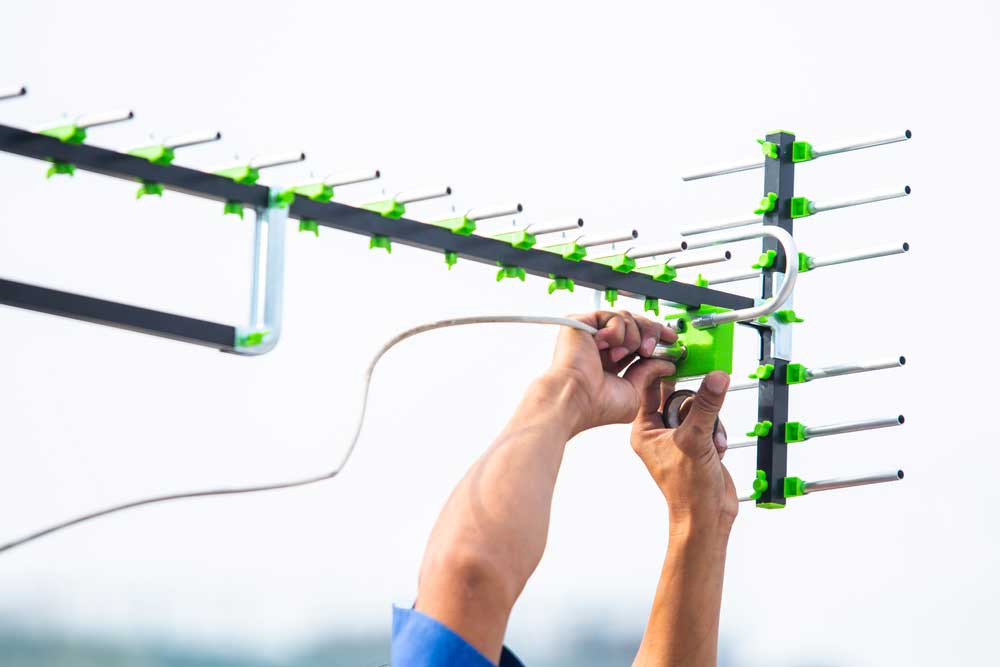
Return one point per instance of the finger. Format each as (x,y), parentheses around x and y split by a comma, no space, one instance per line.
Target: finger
(667,387)
(721,441)
(611,330)
(645,376)
(631,341)
(699,423)
(650,333)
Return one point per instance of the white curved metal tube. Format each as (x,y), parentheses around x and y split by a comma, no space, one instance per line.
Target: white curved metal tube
(265,316)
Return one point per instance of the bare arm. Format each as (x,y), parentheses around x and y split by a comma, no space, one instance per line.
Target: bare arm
(491,534)
(686,463)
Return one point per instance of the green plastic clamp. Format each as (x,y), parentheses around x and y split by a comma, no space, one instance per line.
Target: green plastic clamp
(805,262)
(759,484)
(320,192)
(763,372)
(787,317)
(766,260)
(560,283)
(794,487)
(802,151)
(651,304)
(708,349)
(701,281)
(768,148)
(796,374)
(450,258)
(760,429)
(611,295)
(801,207)
(244,174)
(69,134)
(252,339)
(621,263)
(309,225)
(570,251)
(767,204)
(387,208)
(283,198)
(463,225)
(795,432)
(519,239)
(510,271)
(157,154)
(379,241)
(661,272)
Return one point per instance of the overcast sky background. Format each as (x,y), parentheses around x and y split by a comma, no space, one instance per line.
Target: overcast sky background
(573,109)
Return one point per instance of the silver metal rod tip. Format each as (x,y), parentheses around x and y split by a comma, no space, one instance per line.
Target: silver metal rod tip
(579,222)
(378,173)
(908,135)
(900,419)
(906,246)
(728,255)
(447,191)
(899,473)
(635,233)
(906,189)
(684,245)
(902,360)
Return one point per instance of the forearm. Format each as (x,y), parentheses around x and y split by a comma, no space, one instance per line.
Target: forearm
(492,531)
(683,627)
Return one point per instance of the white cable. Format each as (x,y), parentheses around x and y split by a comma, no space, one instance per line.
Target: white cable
(440,324)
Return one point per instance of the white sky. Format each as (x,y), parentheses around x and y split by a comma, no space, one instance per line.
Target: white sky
(579,109)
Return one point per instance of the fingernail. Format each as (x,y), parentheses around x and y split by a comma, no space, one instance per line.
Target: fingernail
(717,382)
(618,353)
(648,346)
(721,442)
(602,345)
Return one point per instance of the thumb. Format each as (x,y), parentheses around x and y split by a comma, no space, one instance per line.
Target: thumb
(699,423)
(645,376)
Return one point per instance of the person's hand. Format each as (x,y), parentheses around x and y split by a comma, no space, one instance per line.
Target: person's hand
(686,462)
(592,365)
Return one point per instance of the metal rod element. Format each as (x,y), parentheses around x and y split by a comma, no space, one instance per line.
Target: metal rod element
(537,229)
(816,152)
(617,237)
(185,140)
(495,212)
(725,224)
(780,297)
(653,251)
(734,277)
(276,160)
(849,369)
(850,427)
(15,91)
(858,145)
(734,386)
(844,482)
(94,119)
(337,180)
(870,199)
(858,255)
(411,196)
(715,257)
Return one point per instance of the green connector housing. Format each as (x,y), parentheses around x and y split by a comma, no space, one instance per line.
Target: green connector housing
(802,151)
(388,208)
(766,260)
(570,251)
(320,192)
(805,262)
(768,148)
(767,204)
(796,374)
(309,225)
(759,484)
(787,317)
(763,372)
(801,207)
(68,134)
(560,283)
(794,487)
(519,239)
(760,429)
(450,258)
(651,304)
(708,349)
(795,432)
(621,263)
(510,271)
(379,241)
(611,295)
(661,272)
(463,226)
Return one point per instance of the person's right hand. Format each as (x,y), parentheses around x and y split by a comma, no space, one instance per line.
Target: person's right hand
(686,462)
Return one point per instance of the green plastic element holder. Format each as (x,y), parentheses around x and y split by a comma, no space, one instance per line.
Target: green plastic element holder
(560,283)
(651,304)
(309,225)
(149,188)
(379,241)
(251,339)
(320,192)
(519,239)
(69,134)
(661,272)
(767,204)
(759,484)
(708,349)
(801,207)
(621,263)
(805,262)
(802,151)
(510,271)
(760,429)
(283,198)
(570,251)
(611,295)
(157,154)
(244,174)
(766,260)
(795,432)
(768,148)
(796,374)
(701,281)
(794,487)
(763,372)
(387,208)
(787,317)
(450,258)
(463,225)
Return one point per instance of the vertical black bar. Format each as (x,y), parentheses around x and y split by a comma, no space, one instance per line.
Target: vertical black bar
(772,402)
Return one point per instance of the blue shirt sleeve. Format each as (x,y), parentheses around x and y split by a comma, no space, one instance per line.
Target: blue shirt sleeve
(420,641)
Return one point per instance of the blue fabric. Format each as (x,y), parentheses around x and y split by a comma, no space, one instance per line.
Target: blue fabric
(420,641)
